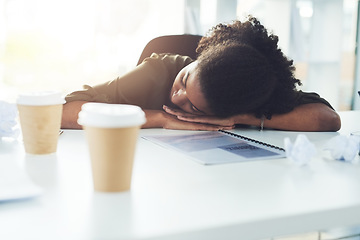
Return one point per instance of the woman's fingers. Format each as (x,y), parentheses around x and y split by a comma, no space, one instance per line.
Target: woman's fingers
(176,112)
(174,123)
(202,119)
(182,125)
(225,122)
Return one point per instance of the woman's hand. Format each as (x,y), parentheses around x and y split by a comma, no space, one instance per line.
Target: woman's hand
(161,119)
(70,115)
(227,123)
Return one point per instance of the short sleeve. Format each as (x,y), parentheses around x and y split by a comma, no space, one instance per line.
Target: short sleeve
(310,97)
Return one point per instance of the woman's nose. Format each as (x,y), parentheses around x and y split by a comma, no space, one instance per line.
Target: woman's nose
(179,97)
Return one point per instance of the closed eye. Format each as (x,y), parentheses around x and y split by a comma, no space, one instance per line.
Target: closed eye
(185,78)
(196,110)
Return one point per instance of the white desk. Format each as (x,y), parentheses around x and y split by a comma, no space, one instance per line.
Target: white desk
(173,197)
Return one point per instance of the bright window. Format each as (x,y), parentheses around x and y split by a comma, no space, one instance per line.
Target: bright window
(63,44)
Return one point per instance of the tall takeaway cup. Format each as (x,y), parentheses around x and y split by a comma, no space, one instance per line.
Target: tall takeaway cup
(111,131)
(40,120)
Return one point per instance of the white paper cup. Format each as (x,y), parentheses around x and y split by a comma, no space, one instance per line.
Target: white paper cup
(357,135)
(40,119)
(111,131)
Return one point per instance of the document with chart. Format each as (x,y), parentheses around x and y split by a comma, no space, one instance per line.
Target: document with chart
(218,147)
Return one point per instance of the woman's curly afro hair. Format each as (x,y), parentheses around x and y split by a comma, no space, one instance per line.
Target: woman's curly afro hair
(242,70)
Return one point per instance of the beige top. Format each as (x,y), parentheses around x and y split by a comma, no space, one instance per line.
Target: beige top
(147,86)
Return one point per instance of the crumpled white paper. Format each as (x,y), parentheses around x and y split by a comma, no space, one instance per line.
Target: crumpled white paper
(8,123)
(301,151)
(344,148)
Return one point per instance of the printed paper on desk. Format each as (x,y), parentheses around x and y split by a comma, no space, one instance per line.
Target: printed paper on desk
(218,147)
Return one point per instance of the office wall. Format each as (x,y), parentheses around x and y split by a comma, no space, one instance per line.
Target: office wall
(65,44)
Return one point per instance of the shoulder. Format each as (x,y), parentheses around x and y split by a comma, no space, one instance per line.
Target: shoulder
(168,59)
(164,65)
(310,97)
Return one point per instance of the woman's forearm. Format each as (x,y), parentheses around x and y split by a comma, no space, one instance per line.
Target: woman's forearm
(154,119)
(70,115)
(307,117)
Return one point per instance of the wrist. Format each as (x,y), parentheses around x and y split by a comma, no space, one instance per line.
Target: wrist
(262,122)
(154,119)
(247,119)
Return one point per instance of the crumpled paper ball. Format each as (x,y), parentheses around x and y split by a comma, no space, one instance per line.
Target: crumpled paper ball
(8,123)
(301,151)
(344,148)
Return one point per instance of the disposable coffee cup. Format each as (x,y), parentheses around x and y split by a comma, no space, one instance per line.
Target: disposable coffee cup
(111,131)
(40,120)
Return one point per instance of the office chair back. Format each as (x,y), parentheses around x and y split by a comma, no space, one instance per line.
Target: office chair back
(185,44)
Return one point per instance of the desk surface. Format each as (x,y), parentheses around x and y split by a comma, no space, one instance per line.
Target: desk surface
(174,197)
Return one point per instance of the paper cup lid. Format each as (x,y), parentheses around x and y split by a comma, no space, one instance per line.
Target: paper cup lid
(41,98)
(111,115)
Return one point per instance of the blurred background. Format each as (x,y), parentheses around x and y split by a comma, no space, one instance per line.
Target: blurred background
(63,44)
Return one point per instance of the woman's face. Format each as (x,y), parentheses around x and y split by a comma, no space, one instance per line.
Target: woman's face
(186,92)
